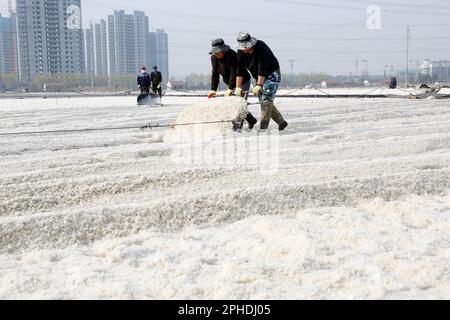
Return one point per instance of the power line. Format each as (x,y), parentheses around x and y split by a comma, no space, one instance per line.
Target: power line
(287,50)
(340,7)
(320,39)
(147,126)
(391,4)
(65,131)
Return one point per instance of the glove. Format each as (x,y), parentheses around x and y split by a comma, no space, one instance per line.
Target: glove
(212,94)
(228,93)
(238,92)
(257,90)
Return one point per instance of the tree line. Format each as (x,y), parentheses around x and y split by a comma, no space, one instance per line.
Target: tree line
(195,81)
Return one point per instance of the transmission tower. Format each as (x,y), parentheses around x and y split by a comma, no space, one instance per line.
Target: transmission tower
(291,65)
(366,67)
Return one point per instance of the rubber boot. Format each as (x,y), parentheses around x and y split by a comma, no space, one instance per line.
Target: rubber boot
(251,121)
(266,114)
(276,115)
(278,118)
(282,126)
(237,126)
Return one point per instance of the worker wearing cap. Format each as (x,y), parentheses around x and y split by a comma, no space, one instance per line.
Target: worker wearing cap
(224,63)
(156,79)
(256,57)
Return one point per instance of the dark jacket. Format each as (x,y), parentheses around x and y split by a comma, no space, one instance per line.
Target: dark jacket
(143,80)
(226,67)
(262,62)
(393,83)
(156,78)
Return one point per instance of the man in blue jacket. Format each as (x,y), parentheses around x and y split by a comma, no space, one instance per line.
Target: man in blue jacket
(143,81)
(255,56)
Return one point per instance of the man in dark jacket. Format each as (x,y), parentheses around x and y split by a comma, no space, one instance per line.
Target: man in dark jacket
(143,81)
(224,63)
(393,83)
(255,56)
(156,79)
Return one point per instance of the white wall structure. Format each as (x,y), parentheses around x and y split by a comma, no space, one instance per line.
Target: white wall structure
(437,70)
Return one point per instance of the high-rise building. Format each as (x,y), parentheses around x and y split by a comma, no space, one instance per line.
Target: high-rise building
(2,37)
(123,29)
(8,45)
(141,38)
(104,44)
(90,51)
(100,49)
(112,47)
(131,45)
(50,37)
(152,49)
(128,42)
(159,52)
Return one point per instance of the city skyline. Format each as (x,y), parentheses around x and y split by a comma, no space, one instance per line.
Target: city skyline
(131,44)
(324,36)
(51,39)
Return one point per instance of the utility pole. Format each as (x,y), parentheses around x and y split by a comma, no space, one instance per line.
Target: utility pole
(291,64)
(366,67)
(407,54)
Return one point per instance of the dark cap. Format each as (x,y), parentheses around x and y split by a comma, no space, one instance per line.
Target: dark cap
(219,45)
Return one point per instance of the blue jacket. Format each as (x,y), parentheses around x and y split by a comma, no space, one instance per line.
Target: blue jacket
(143,80)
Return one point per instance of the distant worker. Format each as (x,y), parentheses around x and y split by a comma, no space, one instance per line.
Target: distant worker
(143,81)
(255,56)
(224,63)
(156,79)
(393,83)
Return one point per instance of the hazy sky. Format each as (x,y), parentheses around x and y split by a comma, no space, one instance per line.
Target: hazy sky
(319,35)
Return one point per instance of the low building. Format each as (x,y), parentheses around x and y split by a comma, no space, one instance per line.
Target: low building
(437,70)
